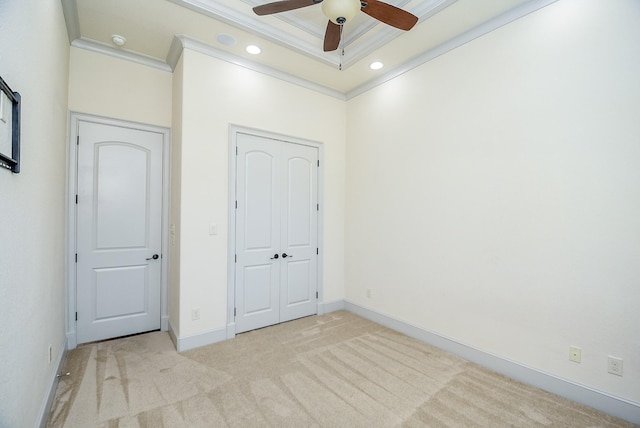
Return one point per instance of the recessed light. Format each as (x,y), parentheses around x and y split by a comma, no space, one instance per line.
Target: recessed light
(226,39)
(377,65)
(253,49)
(118,40)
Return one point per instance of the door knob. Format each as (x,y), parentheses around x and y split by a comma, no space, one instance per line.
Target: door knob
(275,256)
(154,257)
(285,255)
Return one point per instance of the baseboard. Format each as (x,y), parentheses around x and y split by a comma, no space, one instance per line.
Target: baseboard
(45,409)
(71,340)
(172,334)
(616,406)
(231,330)
(184,343)
(164,323)
(332,306)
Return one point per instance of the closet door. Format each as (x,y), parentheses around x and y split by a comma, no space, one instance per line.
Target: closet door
(257,232)
(276,231)
(299,231)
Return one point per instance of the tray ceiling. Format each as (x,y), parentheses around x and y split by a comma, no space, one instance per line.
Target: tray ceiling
(291,42)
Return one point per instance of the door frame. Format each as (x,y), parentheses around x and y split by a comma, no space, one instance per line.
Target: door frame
(234,130)
(72,184)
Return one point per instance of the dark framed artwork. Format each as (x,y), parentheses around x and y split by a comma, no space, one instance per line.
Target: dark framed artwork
(9,128)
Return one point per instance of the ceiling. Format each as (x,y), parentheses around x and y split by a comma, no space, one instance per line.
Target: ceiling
(156,31)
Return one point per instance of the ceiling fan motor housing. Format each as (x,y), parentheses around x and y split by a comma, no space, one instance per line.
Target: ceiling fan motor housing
(340,11)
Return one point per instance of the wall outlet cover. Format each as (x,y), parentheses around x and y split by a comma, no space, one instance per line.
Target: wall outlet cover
(614,365)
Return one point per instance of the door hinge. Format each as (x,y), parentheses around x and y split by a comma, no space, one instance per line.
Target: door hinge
(236,204)
(76,257)
(316,294)
(317,252)
(76,199)
(318,164)
(235,258)
(77,140)
(234,312)
(317,207)
(76,316)
(236,150)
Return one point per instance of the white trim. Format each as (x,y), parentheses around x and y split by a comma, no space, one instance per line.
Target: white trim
(256,26)
(605,402)
(45,409)
(204,48)
(231,330)
(424,11)
(234,130)
(184,343)
(461,39)
(70,12)
(327,307)
(74,121)
(172,335)
(103,48)
(261,27)
(164,322)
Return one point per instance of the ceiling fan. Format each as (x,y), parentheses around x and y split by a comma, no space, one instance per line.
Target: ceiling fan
(341,11)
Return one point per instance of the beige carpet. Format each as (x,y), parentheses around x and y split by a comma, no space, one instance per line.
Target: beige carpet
(336,370)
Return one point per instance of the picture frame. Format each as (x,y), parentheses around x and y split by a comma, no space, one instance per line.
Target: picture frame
(9,128)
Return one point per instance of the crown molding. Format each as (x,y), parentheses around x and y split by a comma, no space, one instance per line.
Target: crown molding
(466,37)
(258,27)
(182,41)
(424,11)
(70,12)
(106,49)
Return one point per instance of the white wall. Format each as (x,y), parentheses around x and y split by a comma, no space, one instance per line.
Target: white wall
(32,209)
(112,87)
(493,194)
(106,86)
(215,95)
(176,201)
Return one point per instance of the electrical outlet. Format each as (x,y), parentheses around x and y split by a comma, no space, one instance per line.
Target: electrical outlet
(195,314)
(575,354)
(368,293)
(615,365)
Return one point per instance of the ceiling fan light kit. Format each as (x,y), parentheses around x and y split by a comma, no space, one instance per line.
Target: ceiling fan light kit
(341,11)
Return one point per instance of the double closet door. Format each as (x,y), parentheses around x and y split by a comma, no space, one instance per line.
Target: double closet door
(276,238)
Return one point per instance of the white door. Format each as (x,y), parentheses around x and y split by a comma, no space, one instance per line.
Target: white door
(276,231)
(119,231)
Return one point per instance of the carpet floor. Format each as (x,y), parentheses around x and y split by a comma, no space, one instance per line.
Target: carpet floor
(336,370)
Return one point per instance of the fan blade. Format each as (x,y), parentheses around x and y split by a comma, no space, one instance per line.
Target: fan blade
(390,14)
(283,6)
(331,37)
